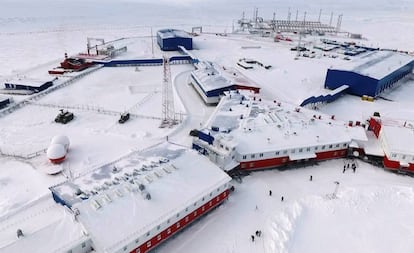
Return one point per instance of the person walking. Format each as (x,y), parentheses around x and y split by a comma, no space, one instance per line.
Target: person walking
(282,198)
(310,178)
(270,192)
(252,236)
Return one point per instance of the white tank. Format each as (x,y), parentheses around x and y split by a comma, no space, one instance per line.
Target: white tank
(61,139)
(56,153)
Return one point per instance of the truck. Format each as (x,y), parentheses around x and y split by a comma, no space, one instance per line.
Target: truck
(124,117)
(64,117)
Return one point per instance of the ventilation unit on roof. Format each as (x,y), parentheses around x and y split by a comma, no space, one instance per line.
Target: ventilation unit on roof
(141,187)
(95,204)
(107,198)
(118,193)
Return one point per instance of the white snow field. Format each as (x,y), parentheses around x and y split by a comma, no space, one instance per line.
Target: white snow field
(372,210)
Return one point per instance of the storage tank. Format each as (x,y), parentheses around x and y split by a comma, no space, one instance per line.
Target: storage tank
(61,139)
(56,153)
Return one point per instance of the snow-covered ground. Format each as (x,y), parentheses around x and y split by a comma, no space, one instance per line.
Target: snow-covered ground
(372,210)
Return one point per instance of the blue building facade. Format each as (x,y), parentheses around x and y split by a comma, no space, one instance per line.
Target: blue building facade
(170,39)
(362,82)
(4,101)
(35,86)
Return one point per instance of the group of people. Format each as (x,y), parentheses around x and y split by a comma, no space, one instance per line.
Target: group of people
(350,164)
(258,234)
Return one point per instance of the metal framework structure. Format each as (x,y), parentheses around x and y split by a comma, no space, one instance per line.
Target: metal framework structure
(168,112)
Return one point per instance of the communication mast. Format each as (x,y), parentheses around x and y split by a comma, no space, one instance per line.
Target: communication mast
(339,23)
(168,113)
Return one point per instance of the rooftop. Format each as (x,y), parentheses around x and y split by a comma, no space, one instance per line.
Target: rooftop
(41,219)
(273,125)
(399,139)
(114,192)
(210,76)
(377,64)
(28,81)
(172,33)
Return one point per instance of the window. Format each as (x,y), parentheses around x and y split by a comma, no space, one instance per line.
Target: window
(169,231)
(137,241)
(83,245)
(403,157)
(125,248)
(178,215)
(323,147)
(301,149)
(148,234)
(168,221)
(158,227)
(344,145)
(284,160)
(148,244)
(178,224)
(292,151)
(316,148)
(335,153)
(159,237)
(244,157)
(186,219)
(211,194)
(195,213)
(261,155)
(138,251)
(218,199)
(186,209)
(203,209)
(284,152)
(210,203)
(203,199)
(394,155)
(277,153)
(253,156)
(196,202)
(307,149)
(330,146)
(337,145)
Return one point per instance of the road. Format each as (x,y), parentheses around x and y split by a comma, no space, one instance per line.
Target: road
(197,111)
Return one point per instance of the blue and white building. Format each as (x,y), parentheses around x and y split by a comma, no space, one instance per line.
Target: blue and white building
(170,39)
(211,81)
(371,74)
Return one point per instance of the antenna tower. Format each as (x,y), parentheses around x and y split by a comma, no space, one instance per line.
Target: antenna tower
(168,113)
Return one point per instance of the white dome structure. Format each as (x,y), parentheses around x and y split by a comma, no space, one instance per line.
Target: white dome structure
(61,139)
(56,153)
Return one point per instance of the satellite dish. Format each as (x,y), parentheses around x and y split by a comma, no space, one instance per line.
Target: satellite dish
(355,153)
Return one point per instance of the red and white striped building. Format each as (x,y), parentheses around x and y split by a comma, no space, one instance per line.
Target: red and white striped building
(251,133)
(396,138)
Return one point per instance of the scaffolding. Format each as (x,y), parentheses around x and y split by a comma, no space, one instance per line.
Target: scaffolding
(259,25)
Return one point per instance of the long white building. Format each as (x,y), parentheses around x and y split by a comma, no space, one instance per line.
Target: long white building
(250,133)
(130,206)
